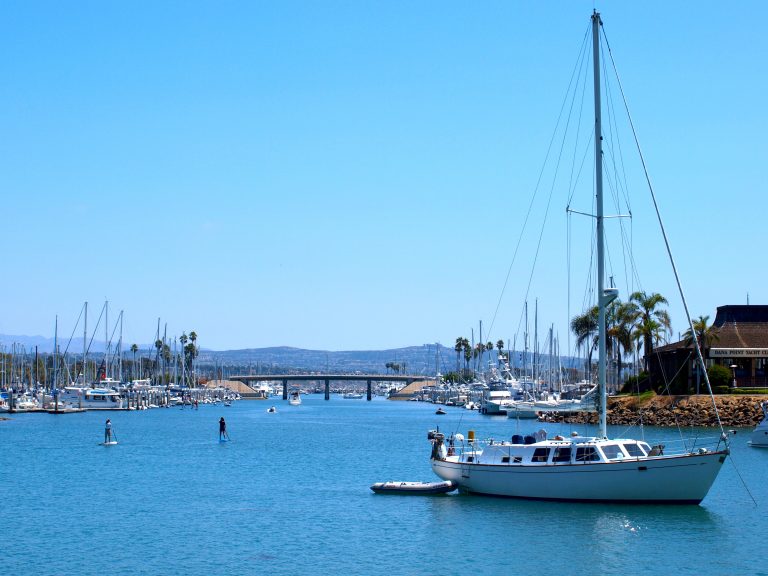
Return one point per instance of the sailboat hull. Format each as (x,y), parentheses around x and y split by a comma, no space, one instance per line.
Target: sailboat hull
(684,479)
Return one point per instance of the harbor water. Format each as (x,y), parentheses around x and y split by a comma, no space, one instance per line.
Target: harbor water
(289,494)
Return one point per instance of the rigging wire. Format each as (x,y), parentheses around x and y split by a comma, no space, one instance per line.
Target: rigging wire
(538,182)
(666,243)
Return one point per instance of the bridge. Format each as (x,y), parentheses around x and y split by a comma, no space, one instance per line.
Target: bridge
(369,379)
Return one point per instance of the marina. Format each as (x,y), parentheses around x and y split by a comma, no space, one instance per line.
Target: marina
(419,289)
(241,506)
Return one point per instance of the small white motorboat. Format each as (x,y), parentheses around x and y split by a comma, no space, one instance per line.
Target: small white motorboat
(759,437)
(439,411)
(271,409)
(414,487)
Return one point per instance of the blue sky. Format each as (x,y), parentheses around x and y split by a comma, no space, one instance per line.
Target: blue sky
(354,175)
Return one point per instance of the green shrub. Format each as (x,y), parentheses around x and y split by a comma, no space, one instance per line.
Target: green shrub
(748,391)
(719,376)
(636,384)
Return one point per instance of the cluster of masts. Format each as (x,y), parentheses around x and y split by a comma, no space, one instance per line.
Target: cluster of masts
(27,370)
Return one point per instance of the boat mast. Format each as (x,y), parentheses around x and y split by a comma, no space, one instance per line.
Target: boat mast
(599,202)
(107,342)
(85,342)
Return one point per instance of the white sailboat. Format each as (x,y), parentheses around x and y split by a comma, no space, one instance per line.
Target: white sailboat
(523,409)
(581,468)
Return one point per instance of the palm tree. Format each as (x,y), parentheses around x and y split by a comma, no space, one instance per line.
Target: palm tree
(706,335)
(467,353)
(134,349)
(192,341)
(652,323)
(462,345)
(620,319)
(584,327)
(158,347)
(458,348)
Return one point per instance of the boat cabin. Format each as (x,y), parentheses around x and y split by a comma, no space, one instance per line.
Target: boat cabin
(575,450)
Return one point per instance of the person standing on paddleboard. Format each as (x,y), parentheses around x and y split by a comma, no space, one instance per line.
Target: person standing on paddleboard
(222,428)
(108,431)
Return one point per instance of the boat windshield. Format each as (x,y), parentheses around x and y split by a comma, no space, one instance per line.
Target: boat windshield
(612,451)
(634,450)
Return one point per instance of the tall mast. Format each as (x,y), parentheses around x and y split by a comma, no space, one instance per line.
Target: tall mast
(120,350)
(535,366)
(604,297)
(106,339)
(85,341)
(54,391)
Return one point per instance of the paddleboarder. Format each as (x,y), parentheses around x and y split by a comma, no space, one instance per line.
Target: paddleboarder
(108,431)
(222,428)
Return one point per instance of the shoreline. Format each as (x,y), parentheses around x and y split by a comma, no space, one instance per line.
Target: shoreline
(736,410)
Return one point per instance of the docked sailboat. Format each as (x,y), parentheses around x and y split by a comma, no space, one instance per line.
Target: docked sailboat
(523,409)
(582,468)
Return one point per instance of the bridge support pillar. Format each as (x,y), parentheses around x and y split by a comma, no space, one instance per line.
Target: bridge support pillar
(327,389)
(285,389)
(368,391)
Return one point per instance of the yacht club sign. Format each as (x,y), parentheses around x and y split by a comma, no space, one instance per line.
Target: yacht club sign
(738,352)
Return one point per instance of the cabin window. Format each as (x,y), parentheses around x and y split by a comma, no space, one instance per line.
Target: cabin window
(540,455)
(634,450)
(470,458)
(644,447)
(587,454)
(612,452)
(505,459)
(517,459)
(562,454)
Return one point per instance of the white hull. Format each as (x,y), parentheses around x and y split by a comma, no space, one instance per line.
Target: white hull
(91,398)
(522,410)
(675,479)
(759,437)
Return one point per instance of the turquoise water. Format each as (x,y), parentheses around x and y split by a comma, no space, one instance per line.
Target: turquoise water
(289,495)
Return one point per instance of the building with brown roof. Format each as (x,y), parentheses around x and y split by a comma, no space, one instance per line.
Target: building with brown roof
(740,344)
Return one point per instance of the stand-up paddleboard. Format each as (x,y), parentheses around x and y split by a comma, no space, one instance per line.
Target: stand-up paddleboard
(222,440)
(110,443)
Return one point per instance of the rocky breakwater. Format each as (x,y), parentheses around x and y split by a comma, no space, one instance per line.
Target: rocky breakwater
(735,411)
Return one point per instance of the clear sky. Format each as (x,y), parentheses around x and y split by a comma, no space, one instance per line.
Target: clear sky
(354,175)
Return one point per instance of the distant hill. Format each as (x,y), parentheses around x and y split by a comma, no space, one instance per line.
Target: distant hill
(412,359)
(422,359)
(45,345)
